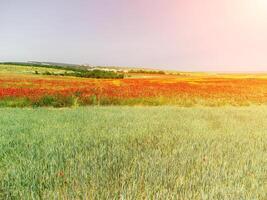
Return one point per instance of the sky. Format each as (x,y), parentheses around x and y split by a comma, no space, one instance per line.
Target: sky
(187,35)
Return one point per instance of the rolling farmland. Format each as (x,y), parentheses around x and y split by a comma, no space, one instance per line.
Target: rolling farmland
(144,136)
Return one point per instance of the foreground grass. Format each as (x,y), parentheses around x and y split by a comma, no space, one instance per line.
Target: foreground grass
(133,153)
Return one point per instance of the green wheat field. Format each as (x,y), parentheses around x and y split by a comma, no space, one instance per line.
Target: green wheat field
(125,152)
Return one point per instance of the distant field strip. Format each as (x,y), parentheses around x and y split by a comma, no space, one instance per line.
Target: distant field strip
(134,153)
(16,69)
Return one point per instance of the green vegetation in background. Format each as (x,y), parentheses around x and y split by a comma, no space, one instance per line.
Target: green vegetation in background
(133,153)
(96,73)
(147,71)
(61,70)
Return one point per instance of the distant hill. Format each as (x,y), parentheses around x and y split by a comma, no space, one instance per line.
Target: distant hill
(52,63)
(49,65)
(68,66)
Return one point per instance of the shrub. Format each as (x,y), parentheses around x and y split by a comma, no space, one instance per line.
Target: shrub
(56,101)
(98,74)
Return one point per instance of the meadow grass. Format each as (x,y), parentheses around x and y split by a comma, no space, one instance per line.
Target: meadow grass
(60,101)
(17,69)
(133,153)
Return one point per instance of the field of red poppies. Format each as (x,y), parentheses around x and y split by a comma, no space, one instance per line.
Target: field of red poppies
(187,89)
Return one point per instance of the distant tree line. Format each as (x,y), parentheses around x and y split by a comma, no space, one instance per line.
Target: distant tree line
(147,71)
(96,73)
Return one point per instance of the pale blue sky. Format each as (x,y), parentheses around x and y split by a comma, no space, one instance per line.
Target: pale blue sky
(200,35)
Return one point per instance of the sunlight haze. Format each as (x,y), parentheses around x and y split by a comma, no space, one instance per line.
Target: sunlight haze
(186,35)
